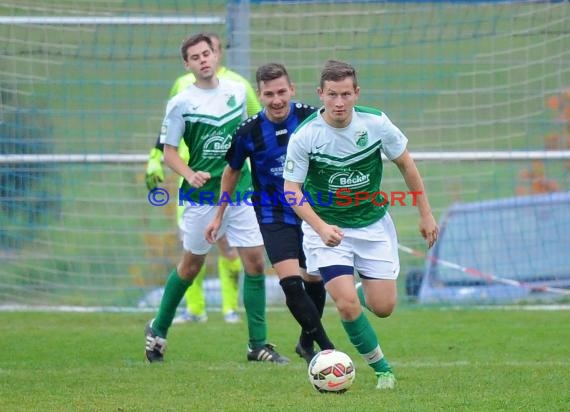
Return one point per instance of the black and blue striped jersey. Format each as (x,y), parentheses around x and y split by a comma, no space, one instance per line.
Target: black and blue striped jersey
(265,143)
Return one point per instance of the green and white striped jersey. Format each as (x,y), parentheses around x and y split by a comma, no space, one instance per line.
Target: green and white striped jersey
(335,163)
(206,120)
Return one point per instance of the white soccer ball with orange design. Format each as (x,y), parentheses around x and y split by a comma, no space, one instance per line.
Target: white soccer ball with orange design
(331,371)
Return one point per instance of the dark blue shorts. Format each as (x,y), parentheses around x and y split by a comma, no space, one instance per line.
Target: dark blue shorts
(283,241)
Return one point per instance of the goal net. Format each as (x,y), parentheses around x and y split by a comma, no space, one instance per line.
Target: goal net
(480,88)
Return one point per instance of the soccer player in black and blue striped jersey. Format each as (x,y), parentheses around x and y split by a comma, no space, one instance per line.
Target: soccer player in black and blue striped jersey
(263,139)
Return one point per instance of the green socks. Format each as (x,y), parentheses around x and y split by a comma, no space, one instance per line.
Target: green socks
(361,298)
(173,292)
(364,339)
(254,304)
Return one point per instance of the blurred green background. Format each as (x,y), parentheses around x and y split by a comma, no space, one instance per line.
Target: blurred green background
(453,76)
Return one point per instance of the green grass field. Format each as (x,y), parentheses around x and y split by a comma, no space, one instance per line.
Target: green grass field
(445,360)
(453,77)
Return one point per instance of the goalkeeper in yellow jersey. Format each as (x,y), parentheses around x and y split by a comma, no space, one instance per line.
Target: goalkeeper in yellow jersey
(229,265)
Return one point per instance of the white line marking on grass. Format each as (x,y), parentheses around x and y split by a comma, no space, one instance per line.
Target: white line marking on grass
(76,309)
(399,364)
(465,363)
(255,364)
(531,307)
(277,308)
(466,308)
(99,309)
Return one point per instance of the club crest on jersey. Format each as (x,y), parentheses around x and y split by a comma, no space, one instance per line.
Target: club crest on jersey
(231,102)
(164,129)
(289,165)
(348,180)
(361,138)
(216,146)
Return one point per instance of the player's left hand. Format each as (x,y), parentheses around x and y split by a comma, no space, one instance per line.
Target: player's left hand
(199,179)
(211,232)
(429,229)
(331,235)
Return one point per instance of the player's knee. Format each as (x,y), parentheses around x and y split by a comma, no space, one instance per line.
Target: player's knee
(312,279)
(382,309)
(292,286)
(383,312)
(253,261)
(349,309)
(188,270)
(254,265)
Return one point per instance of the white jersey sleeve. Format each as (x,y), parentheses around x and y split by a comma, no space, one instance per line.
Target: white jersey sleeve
(173,124)
(394,142)
(297,160)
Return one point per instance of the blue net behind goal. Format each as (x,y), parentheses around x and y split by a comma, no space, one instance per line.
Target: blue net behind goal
(501,251)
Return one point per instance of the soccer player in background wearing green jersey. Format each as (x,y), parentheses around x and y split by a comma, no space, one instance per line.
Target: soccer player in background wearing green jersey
(340,147)
(205,115)
(229,266)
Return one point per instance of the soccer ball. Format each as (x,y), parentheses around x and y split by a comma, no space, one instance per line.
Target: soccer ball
(331,371)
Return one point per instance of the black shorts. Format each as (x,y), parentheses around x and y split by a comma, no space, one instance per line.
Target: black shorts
(283,241)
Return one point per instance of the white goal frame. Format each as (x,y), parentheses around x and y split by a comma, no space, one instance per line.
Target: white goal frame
(419,156)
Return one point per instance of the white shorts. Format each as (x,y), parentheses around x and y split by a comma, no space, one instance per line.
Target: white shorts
(371,250)
(239,225)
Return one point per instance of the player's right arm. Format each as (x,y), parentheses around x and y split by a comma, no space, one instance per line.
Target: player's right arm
(230,179)
(172,158)
(236,156)
(173,128)
(331,235)
(294,175)
(154,170)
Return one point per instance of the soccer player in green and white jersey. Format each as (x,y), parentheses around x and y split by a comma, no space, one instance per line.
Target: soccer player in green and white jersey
(340,147)
(229,266)
(205,115)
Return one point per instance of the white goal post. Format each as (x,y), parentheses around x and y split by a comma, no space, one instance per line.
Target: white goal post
(419,156)
(112,20)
